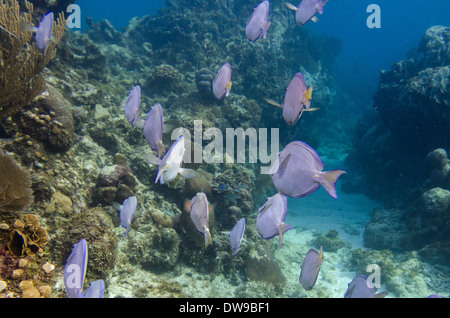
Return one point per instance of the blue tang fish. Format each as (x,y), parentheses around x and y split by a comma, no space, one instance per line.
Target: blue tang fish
(96,289)
(358,288)
(222,82)
(297,172)
(271,216)
(132,105)
(297,99)
(127,212)
(75,269)
(198,208)
(307,9)
(258,25)
(170,164)
(236,235)
(43,31)
(310,268)
(153,129)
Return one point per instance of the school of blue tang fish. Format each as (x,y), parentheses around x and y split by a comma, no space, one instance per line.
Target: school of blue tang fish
(297,171)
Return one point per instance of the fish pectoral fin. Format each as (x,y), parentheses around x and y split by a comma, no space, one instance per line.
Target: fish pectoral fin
(152,159)
(272,102)
(188,173)
(311,109)
(283,166)
(290,6)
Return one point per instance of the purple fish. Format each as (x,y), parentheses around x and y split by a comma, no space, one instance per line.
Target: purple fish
(170,164)
(96,289)
(153,129)
(222,82)
(75,269)
(298,97)
(127,212)
(310,268)
(307,9)
(297,172)
(258,25)
(198,208)
(271,216)
(44,32)
(236,235)
(133,104)
(359,288)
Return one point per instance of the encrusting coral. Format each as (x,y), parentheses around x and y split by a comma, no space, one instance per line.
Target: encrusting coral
(28,237)
(21,60)
(15,185)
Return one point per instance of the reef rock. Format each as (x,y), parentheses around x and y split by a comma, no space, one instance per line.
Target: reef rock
(49,118)
(412,117)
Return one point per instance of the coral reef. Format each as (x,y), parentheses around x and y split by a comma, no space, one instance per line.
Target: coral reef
(95,158)
(423,225)
(15,185)
(28,237)
(22,60)
(48,118)
(330,241)
(24,267)
(411,118)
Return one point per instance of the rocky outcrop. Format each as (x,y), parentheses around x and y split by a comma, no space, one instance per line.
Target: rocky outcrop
(411,118)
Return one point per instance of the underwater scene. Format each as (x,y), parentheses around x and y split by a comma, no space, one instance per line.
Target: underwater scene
(224,149)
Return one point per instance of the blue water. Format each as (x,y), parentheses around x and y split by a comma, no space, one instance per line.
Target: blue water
(364,52)
(117,12)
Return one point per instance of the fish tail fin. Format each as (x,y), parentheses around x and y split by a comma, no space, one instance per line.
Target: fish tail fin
(290,6)
(207,238)
(321,255)
(272,102)
(328,181)
(127,230)
(228,88)
(139,123)
(27,26)
(187,205)
(265,28)
(308,93)
(314,19)
(161,148)
(283,228)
